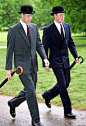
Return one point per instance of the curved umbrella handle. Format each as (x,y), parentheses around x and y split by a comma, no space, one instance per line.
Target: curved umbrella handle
(81,58)
(19,67)
(75,62)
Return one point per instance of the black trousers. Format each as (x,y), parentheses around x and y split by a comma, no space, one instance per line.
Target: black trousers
(63,80)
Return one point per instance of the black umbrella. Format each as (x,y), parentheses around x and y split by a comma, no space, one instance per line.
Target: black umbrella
(75,62)
(19,67)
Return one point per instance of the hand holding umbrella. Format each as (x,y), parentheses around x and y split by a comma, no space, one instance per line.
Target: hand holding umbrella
(75,61)
(19,67)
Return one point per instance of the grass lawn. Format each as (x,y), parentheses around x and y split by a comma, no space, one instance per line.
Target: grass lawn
(77,88)
(3,38)
(76,38)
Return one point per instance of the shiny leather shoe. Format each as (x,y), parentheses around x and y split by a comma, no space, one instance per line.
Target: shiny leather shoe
(37,124)
(47,102)
(12,110)
(70,115)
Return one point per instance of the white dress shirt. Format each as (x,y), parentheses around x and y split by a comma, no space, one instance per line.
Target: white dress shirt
(59,27)
(24,26)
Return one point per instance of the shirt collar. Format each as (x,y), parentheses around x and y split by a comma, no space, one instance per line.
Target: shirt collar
(57,24)
(24,26)
(59,27)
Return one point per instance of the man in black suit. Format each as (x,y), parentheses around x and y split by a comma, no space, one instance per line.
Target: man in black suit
(57,37)
(23,40)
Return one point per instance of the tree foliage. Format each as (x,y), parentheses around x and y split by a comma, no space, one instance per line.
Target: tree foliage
(42,16)
(75,15)
(76,11)
(9,12)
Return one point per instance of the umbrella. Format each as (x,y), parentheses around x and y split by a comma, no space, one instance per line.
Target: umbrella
(75,62)
(19,67)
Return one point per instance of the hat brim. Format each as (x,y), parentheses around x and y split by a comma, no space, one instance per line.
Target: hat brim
(33,12)
(57,12)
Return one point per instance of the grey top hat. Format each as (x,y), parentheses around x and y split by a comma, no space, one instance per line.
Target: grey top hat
(27,9)
(57,9)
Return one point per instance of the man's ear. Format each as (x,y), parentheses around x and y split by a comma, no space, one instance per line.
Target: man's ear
(55,15)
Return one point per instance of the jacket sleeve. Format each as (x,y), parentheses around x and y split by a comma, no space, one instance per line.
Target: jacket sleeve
(71,46)
(40,47)
(10,48)
(45,40)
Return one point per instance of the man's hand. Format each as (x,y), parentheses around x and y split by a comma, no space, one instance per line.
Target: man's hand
(46,62)
(8,74)
(77,60)
(46,69)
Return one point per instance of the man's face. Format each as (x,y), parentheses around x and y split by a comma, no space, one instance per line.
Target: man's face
(26,18)
(59,18)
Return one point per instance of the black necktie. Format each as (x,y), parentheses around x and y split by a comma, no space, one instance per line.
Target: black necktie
(62,33)
(28,33)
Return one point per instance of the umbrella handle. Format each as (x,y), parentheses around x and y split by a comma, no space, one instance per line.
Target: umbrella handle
(75,62)
(81,58)
(19,67)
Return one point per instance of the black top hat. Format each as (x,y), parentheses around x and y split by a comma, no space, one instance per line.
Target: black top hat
(27,9)
(57,9)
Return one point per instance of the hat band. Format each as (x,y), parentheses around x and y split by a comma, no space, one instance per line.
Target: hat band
(33,12)
(58,12)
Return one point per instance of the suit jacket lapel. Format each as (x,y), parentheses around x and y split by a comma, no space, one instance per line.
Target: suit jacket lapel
(56,33)
(32,33)
(22,32)
(65,29)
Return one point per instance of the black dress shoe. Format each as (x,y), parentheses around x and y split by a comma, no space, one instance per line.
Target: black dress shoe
(47,102)
(37,124)
(12,110)
(70,115)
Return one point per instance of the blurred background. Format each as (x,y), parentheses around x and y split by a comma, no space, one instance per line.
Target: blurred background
(75,16)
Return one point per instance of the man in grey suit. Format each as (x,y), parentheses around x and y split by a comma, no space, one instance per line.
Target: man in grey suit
(24,49)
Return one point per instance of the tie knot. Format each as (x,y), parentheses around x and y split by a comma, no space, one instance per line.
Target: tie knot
(61,25)
(27,26)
